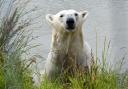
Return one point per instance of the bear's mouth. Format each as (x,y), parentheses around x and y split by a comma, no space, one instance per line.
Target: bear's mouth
(70,27)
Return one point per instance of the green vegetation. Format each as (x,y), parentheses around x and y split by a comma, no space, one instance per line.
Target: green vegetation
(14,43)
(15,40)
(100,76)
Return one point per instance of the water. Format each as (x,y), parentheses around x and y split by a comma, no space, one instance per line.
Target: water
(106,17)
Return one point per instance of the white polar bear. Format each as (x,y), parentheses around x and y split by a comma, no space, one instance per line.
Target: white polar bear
(68,49)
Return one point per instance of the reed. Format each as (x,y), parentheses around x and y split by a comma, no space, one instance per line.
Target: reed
(15,37)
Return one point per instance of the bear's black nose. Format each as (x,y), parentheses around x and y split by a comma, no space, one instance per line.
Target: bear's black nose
(70,23)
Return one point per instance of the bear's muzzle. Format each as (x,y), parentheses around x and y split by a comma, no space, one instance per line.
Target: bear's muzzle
(70,24)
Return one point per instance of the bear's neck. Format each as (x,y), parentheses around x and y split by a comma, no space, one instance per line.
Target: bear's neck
(64,42)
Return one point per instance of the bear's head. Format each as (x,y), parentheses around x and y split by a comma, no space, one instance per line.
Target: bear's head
(67,20)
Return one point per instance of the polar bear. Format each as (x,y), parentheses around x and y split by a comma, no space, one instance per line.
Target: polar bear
(68,50)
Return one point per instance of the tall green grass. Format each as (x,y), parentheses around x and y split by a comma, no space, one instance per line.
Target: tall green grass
(102,75)
(14,44)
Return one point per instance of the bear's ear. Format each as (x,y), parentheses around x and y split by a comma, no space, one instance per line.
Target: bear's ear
(49,18)
(84,14)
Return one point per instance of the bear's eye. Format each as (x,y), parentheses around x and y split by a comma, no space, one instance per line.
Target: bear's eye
(61,15)
(76,14)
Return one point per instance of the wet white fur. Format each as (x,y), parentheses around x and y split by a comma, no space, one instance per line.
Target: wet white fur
(66,42)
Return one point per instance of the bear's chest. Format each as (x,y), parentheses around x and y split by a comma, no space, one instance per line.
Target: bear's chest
(69,60)
(68,63)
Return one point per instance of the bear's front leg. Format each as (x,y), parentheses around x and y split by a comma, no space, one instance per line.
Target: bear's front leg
(53,65)
(50,66)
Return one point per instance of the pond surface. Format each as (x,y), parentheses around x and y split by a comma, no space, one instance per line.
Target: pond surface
(106,17)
